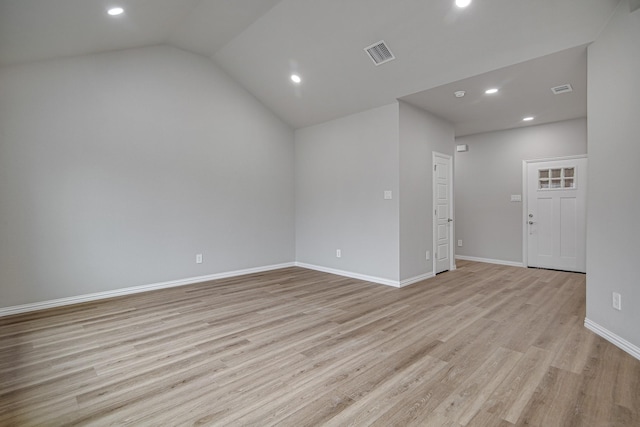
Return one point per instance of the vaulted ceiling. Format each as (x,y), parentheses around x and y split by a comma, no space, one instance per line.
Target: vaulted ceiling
(261,42)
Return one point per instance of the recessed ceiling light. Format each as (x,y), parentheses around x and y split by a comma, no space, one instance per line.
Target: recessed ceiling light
(115,11)
(527,119)
(491,91)
(463,3)
(295,78)
(459,93)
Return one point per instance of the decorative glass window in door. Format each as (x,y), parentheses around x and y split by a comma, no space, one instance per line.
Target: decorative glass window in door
(557,178)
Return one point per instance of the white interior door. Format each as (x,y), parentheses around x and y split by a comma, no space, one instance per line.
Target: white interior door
(443,254)
(556,214)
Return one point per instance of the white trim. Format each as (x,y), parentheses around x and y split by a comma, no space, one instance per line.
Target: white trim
(553,159)
(525,198)
(490,261)
(17,309)
(359,276)
(416,279)
(379,280)
(525,212)
(449,158)
(614,339)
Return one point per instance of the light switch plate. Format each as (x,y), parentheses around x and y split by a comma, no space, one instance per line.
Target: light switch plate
(387,195)
(617,301)
(516,197)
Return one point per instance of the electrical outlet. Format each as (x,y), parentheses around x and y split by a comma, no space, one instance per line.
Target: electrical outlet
(338,253)
(617,301)
(460,243)
(428,255)
(198,258)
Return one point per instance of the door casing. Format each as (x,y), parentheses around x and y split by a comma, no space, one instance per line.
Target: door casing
(452,265)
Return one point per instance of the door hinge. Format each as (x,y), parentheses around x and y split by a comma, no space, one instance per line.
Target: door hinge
(435,167)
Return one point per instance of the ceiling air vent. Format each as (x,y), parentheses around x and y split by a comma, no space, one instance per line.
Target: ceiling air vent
(379,53)
(561,89)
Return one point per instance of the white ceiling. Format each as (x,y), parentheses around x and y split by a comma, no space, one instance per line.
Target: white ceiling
(260,42)
(41,29)
(33,30)
(213,23)
(524,91)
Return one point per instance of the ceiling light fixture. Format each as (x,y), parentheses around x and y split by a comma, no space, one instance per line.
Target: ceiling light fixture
(459,93)
(463,3)
(491,91)
(295,78)
(115,11)
(527,119)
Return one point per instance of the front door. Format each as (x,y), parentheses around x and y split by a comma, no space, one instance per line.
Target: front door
(442,212)
(556,214)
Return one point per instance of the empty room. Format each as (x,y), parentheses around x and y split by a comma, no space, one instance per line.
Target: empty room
(305,213)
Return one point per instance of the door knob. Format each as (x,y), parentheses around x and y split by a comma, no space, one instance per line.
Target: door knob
(530,222)
(449,220)
(530,215)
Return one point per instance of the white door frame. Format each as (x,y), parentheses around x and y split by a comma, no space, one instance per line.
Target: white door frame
(452,265)
(525,200)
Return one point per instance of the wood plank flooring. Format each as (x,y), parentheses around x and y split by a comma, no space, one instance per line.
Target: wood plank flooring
(484,345)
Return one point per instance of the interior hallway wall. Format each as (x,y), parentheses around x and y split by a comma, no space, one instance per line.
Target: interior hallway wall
(421,133)
(343,167)
(613,198)
(487,221)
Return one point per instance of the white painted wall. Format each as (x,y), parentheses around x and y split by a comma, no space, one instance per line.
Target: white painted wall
(421,133)
(613,211)
(116,169)
(342,169)
(486,176)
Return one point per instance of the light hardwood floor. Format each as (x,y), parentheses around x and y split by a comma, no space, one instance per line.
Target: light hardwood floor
(484,345)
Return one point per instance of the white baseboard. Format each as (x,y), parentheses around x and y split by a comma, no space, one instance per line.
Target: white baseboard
(359,276)
(416,279)
(490,261)
(379,280)
(614,339)
(7,311)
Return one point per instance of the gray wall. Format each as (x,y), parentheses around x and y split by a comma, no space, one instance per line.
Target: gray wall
(421,134)
(613,230)
(342,169)
(486,176)
(116,169)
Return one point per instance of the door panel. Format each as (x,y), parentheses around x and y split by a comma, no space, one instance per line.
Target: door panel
(442,190)
(568,225)
(443,254)
(544,228)
(443,210)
